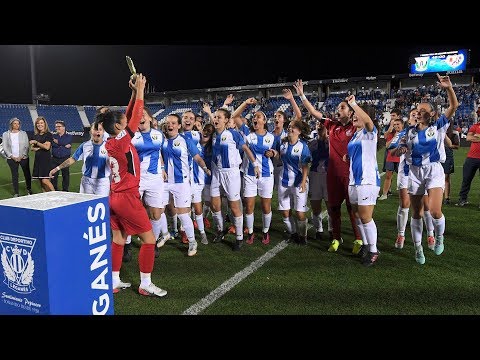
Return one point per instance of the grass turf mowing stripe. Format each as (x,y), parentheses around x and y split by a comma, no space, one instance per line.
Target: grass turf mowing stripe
(228,285)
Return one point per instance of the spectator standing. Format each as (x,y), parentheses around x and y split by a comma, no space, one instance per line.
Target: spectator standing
(41,144)
(452,142)
(15,145)
(471,164)
(61,151)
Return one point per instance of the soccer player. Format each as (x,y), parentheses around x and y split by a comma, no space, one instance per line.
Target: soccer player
(364,179)
(95,168)
(293,181)
(402,183)
(262,144)
(206,154)
(149,142)
(281,121)
(422,145)
(127,214)
(318,177)
(391,162)
(404,197)
(176,152)
(197,175)
(340,131)
(226,174)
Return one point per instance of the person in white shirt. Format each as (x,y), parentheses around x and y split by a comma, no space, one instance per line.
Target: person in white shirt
(15,145)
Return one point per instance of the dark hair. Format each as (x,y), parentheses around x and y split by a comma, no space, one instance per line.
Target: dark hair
(61,122)
(396,111)
(304,130)
(370,110)
(179,119)
(108,120)
(227,113)
(100,108)
(208,145)
(251,128)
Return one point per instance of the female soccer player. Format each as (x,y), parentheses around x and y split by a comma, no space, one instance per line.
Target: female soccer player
(421,145)
(293,181)
(95,168)
(364,179)
(340,131)
(127,214)
(262,144)
(226,174)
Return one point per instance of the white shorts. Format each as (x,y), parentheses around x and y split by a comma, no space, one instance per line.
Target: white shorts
(227,179)
(206,193)
(422,178)
(95,186)
(263,186)
(318,186)
(363,194)
(151,190)
(291,197)
(181,194)
(197,190)
(402,181)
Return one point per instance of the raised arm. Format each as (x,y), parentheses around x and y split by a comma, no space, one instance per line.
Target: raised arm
(128,113)
(287,94)
(137,112)
(238,111)
(444,82)
(361,114)
(206,109)
(308,105)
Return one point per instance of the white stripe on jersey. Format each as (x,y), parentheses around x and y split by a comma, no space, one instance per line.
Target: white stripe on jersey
(175,154)
(149,149)
(258,144)
(226,149)
(293,157)
(95,160)
(427,146)
(362,150)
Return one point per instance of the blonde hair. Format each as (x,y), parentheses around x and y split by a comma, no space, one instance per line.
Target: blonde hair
(47,129)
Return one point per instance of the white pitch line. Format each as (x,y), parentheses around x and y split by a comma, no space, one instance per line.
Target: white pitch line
(22,181)
(228,285)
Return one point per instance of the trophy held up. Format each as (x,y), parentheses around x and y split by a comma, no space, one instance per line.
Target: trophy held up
(132,68)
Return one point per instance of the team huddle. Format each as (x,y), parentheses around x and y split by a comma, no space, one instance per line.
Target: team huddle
(190,165)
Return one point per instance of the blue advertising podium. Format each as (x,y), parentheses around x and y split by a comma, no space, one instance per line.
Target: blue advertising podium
(55,255)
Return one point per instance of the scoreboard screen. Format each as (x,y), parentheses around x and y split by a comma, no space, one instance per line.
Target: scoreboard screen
(439,62)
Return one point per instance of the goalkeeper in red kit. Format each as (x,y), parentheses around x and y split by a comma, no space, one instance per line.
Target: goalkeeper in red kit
(127,214)
(340,131)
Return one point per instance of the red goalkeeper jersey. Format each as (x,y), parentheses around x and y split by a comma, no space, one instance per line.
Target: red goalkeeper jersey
(123,157)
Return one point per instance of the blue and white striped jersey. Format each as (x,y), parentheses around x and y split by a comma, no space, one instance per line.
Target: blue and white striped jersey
(362,150)
(226,148)
(426,146)
(195,169)
(258,144)
(95,159)
(149,149)
(293,158)
(175,155)
(199,176)
(403,167)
